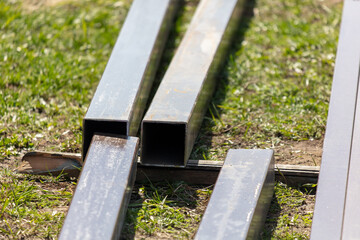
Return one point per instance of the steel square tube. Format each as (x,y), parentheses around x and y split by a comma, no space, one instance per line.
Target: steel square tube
(173,120)
(331,190)
(241,198)
(99,205)
(120,99)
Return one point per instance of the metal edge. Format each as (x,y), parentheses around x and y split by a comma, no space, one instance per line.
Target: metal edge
(351,222)
(263,202)
(155,57)
(99,204)
(126,200)
(199,110)
(129,124)
(241,197)
(185,131)
(329,204)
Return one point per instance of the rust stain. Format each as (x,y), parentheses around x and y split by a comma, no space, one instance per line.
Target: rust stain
(180,91)
(151,116)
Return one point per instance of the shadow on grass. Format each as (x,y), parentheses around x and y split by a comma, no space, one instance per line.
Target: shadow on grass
(271,219)
(289,201)
(161,206)
(203,142)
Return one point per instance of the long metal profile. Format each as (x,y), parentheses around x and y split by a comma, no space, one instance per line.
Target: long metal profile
(99,205)
(173,120)
(338,143)
(351,222)
(121,96)
(241,198)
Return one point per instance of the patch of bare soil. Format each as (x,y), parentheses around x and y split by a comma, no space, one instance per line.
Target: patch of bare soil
(307,153)
(11,162)
(299,153)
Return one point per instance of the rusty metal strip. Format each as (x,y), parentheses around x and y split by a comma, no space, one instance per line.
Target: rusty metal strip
(121,96)
(241,197)
(173,120)
(99,205)
(331,191)
(203,172)
(206,172)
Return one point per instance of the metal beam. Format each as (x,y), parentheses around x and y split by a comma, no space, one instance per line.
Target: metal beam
(351,222)
(241,198)
(100,201)
(331,190)
(121,96)
(173,120)
(103,191)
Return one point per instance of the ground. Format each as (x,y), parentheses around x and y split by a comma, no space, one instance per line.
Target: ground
(299,153)
(273,93)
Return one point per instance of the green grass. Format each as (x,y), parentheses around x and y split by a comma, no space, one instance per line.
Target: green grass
(170,210)
(275,88)
(277,82)
(290,214)
(51,61)
(32,208)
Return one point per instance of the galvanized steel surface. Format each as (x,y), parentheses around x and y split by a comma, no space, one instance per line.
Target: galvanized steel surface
(241,197)
(103,191)
(172,122)
(121,96)
(351,222)
(331,190)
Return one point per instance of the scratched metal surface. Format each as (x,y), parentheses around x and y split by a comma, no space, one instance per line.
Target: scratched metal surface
(103,191)
(241,197)
(121,96)
(331,190)
(176,112)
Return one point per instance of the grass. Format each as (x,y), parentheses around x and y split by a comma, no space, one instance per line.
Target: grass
(52,59)
(274,90)
(165,210)
(276,86)
(290,214)
(32,207)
